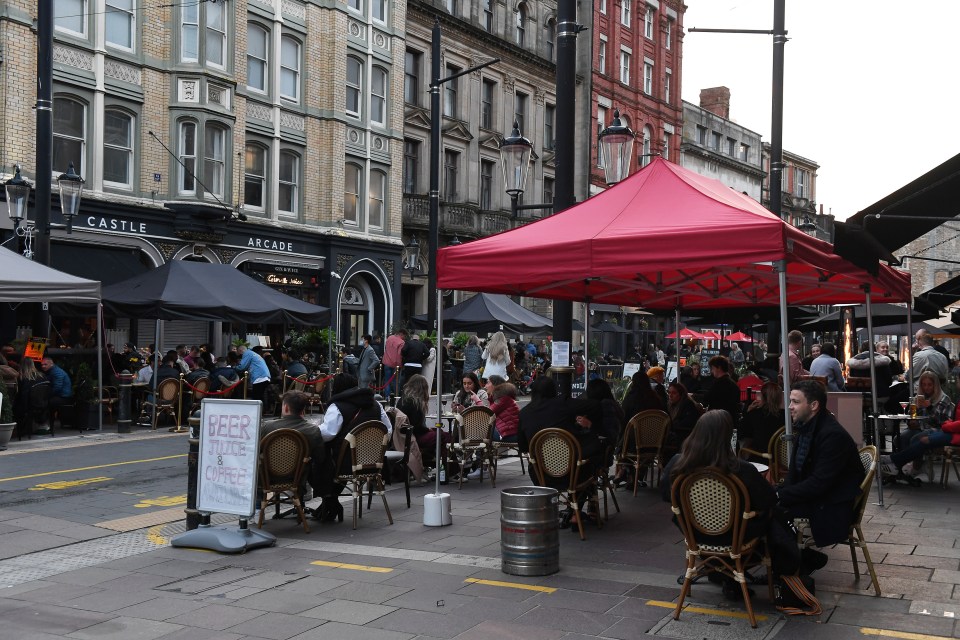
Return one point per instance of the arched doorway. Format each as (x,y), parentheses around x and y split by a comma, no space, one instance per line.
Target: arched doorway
(364,304)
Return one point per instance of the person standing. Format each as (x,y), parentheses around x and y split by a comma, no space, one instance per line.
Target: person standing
(827,366)
(393,361)
(926,358)
(724,393)
(414,352)
(259,372)
(737,357)
(472,356)
(369,361)
(794,348)
(496,356)
(430,363)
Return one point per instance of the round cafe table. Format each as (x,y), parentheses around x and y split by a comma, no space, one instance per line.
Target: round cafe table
(762,468)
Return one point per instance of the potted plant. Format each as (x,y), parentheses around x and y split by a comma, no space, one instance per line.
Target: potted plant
(7,425)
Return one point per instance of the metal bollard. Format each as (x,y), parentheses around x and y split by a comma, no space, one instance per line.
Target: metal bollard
(124,421)
(194,519)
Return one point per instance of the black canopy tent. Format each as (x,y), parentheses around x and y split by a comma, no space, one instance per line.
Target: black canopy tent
(182,290)
(488,313)
(883,313)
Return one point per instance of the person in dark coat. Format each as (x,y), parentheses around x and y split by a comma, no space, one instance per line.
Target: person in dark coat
(294,404)
(825,468)
(724,393)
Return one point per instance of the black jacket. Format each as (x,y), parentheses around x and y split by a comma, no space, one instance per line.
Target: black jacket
(414,352)
(827,484)
(318,449)
(724,394)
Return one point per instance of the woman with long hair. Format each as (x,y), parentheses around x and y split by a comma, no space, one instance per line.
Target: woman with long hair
(934,410)
(23,412)
(470,394)
(496,356)
(762,419)
(472,355)
(684,414)
(639,397)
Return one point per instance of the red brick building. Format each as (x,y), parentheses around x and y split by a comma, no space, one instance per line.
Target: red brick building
(636,67)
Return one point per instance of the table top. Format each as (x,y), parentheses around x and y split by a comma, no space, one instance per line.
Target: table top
(896,416)
(760,466)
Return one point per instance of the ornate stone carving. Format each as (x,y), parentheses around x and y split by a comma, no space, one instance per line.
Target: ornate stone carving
(73,57)
(509,85)
(199,236)
(167,249)
(292,121)
(120,71)
(294,9)
(539,96)
(259,111)
(380,143)
(351,296)
(343,260)
(188,91)
(267,3)
(226,255)
(355,136)
(357,30)
(218,95)
(387,268)
(381,41)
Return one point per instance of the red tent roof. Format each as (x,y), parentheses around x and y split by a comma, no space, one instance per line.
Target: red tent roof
(662,237)
(685,334)
(739,336)
(710,335)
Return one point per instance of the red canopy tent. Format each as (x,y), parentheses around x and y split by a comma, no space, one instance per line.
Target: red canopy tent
(664,238)
(667,238)
(710,335)
(739,336)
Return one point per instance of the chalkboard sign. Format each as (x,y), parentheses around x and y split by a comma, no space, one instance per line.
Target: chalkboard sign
(705,356)
(229,444)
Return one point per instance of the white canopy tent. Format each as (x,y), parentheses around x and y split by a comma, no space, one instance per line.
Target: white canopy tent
(23,280)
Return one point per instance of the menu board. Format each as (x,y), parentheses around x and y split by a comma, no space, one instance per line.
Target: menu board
(35,348)
(560,356)
(227,466)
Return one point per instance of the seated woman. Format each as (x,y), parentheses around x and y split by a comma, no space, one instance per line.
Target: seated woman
(934,409)
(505,407)
(414,403)
(762,419)
(349,406)
(470,394)
(684,414)
(25,409)
(709,446)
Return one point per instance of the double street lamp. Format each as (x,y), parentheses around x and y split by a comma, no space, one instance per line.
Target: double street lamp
(616,153)
(18,193)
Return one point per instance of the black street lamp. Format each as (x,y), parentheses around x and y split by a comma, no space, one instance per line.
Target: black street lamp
(411,255)
(71,190)
(18,194)
(515,152)
(616,150)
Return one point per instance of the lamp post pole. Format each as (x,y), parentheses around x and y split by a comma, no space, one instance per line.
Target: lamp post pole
(44,143)
(433,242)
(563,196)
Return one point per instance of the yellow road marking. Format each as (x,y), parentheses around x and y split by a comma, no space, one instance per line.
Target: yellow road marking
(511,585)
(712,612)
(355,567)
(66,484)
(162,501)
(99,466)
(886,633)
(154,535)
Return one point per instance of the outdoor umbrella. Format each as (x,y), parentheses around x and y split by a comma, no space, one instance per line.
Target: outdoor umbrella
(739,336)
(608,327)
(487,313)
(710,335)
(685,334)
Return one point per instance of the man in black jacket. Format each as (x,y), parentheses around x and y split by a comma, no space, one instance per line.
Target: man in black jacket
(414,352)
(724,393)
(825,469)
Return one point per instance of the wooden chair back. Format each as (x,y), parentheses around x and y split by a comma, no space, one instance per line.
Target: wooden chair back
(476,425)
(200,389)
(283,456)
(555,453)
(167,391)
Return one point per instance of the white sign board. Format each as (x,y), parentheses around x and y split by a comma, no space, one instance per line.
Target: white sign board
(630,368)
(229,444)
(671,371)
(560,356)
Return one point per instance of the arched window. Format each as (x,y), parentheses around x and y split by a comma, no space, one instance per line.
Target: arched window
(258,46)
(289,69)
(521,24)
(551,33)
(645,149)
(352,182)
(188,157)
(289,183)
(255,176)
(69,134)
(354,86)
(377,194)
(378,96)
(214,159)
(117,148)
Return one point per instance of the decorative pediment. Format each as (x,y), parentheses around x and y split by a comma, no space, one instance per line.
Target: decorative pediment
(491,140)
(457,129)
(416,117)
(550,158)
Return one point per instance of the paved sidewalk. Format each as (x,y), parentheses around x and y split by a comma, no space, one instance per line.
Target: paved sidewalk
(410,581)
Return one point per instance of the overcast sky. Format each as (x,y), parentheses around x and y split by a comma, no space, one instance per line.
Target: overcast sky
(871,87)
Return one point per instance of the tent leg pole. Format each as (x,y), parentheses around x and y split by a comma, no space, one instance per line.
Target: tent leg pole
(100,366)
(677,347)
(873,385)
(156,367)
(909,343)
(586,347)
(781,267)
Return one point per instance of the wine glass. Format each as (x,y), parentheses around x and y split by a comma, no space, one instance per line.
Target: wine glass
(903,407)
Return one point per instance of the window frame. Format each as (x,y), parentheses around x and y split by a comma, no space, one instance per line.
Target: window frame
(84,19)
(131,22)
(411,165)
(451,89)
(208,29)
(646,145)
(602,55)
(264,150)
(379,177)
(648,78)
(520,28)
(184,165)
(626,8)
(213,161)
(488,171)
(284,67)
(265,61)
(625,60)
(549,127)
(70,137)
(411,80)
(488,97)
(379,98)
(451,175)
(129,150)
(354,88)
(349,165)
(649,19)
(203,29)
(521,103)
(550,41)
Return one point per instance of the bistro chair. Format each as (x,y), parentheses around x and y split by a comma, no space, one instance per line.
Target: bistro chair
(361,460)
(775,457)
(200,390)
(496,447)
(283,458)
(605,482)
(398,458)
(476,426)
(855,539)
(643,443)
(709,502)
(166,402)
(109,396)
(556,458)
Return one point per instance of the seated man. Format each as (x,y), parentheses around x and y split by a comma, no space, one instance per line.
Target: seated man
(61,388)
(934,409)
(294,405)
(825,471)
(223,375)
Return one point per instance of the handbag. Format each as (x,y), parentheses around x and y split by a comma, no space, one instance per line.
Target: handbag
(796,596)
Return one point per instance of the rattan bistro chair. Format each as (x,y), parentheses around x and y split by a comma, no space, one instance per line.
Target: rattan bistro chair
(775,457)
(283,457)
(555,455)
(166,401)
(855,539)
(475,432)
(643,442)
(709,502)
(365,445)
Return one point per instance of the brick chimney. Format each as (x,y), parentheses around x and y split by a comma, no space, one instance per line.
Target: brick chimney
(716,100)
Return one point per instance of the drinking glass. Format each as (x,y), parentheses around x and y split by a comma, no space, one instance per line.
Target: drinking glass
(903,407)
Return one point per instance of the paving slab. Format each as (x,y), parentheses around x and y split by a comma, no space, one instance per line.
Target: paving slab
(349,611)
(122,628)
(276,626)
